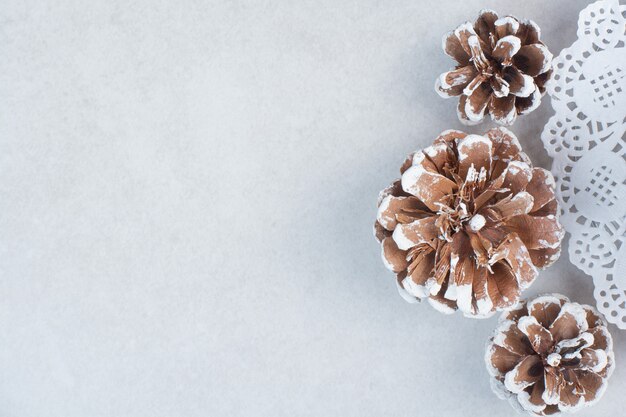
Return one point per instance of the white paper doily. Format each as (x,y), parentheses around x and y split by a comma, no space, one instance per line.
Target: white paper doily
(587,139)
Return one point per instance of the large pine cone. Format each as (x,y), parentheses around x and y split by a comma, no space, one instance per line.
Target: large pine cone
(468,223)
(502,68)
(550,355)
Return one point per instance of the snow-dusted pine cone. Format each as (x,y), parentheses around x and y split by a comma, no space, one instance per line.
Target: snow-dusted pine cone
(502,67)
(550,355)
(468,223)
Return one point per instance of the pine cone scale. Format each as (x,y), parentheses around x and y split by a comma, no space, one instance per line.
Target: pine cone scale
(517,176)
(480,287)
(506,26)
(544,257)
(512,340)
(503,108)
(477,102)
(533,59)
(525,105)
(453,48)
(513,207)
(520,85)
(545,310)
(394,258)
(474,157)
(540,186)
(420,231)
(499,86)
(518,261)
(505,49)
(539,337)
(537,232)
(455,82)
(568,324)
(524,374)
(429,187)
(419,270)
(463,33)
(485,25)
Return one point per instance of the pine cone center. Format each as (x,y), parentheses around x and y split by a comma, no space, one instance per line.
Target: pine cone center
(568,355)
(460,214)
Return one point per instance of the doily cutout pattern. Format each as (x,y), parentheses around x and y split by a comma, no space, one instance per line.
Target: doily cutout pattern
(587,139)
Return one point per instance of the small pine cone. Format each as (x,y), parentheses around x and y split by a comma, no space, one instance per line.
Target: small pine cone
(468,223)
(502,68)
(550,355)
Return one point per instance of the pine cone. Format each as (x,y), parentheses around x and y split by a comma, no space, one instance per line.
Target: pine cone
(502,68)
(550,355)
(468,223)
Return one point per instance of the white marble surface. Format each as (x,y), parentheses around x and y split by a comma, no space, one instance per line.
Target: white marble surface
(187,191)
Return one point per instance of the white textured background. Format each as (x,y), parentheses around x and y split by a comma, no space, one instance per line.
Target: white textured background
(187,191)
